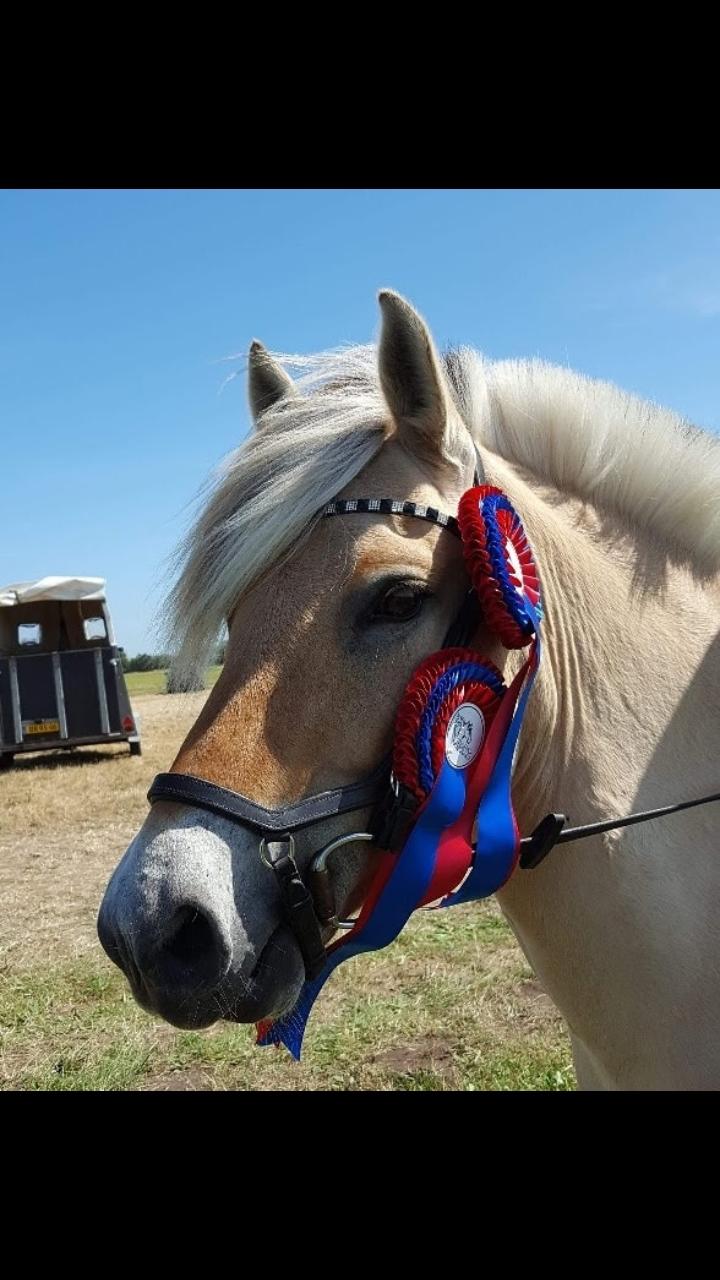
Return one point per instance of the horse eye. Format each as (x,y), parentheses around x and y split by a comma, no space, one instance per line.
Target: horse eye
(400,603)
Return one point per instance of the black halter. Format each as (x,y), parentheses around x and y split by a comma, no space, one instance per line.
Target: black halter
(186,789)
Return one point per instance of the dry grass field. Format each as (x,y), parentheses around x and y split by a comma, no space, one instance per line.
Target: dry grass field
(451,1005)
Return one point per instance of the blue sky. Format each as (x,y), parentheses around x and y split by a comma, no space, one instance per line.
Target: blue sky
(117,307)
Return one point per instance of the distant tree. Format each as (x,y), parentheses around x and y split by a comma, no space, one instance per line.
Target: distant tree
(177,683)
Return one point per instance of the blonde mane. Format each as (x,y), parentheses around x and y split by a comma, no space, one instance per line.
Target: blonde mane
(584,437)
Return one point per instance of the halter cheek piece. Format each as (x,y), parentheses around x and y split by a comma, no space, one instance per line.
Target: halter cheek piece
(442,815)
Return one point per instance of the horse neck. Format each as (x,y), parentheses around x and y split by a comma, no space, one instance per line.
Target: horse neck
(621,720)
(619,655)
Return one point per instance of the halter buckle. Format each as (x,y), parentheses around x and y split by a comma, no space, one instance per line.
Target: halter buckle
(393,816)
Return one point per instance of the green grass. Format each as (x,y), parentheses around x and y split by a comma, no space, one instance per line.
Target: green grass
(154,681)
(448,1007)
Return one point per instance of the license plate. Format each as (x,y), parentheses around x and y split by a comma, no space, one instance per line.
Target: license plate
(41,726)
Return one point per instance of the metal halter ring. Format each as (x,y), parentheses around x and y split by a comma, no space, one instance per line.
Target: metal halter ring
(290,852)
(320,886)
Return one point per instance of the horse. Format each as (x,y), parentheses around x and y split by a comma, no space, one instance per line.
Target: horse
(326,620)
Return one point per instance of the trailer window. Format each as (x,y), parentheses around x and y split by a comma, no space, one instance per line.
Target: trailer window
(95,629)
(29,633)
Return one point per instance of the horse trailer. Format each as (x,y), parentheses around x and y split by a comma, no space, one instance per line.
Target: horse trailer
(61,678)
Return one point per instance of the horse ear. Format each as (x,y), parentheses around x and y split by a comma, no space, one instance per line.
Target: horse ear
(267,380)
(411,376)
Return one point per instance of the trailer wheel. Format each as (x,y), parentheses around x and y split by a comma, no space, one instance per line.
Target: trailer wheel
(6,759)
(135,749)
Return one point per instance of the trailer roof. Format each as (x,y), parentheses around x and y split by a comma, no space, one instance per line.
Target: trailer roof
(52,589)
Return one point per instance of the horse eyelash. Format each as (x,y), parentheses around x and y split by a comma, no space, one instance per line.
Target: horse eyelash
(370,617)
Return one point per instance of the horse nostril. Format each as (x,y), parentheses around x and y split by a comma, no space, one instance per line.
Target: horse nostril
(192,948)
(190,937)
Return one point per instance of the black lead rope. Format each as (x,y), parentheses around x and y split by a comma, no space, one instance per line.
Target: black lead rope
(551,830)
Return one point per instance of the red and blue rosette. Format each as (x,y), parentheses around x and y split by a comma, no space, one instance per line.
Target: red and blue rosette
(500,564)
(439,686)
